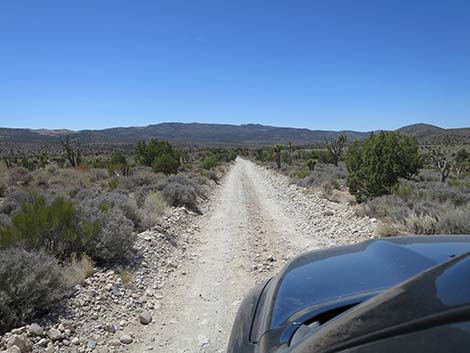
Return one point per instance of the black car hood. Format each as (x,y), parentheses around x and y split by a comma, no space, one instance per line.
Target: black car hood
(369,267)
(435,297)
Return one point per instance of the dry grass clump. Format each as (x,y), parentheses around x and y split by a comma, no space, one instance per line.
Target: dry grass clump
(153,209)
(77,270)
(126,277)
(418,216)
(387,230)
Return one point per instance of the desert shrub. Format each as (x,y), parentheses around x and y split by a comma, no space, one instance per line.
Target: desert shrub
(30,283)
(13,201)
(439,193)
(97,174)
(460,184)
(462,156)
(180,194)
(322,155)
(19,176)
(210,162)
(420,223)
(211,175)
(194,181)
(455,220)
(113,199)
(77,269)
(327,187)
(403,190)
(376,164)
(388,207)
(147,153)
(113,184)
(325,173)
(98,227)
(387,230)
(144,176)
(110,234)
(153,209)
(166,163)
(38,225)
(299,174)
(263,155)
(117,165)
(70,180)
(5,221)
(3,188)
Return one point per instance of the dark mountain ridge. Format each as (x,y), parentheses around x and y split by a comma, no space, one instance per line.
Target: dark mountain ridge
(216,134)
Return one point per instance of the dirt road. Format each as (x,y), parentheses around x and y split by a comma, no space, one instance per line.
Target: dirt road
(246,236)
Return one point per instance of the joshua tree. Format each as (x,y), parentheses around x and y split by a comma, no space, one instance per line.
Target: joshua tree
(440,162)
(335,147)
(311,164)
(73,155)
(289,156)
(43,159)
(277,155)
(458,168)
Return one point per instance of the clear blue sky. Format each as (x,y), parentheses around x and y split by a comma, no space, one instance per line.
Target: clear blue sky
(331,64)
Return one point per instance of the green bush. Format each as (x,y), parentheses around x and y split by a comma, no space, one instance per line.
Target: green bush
(38,225)
(118,165)
(160,155)
(404,191)
(376,164)
(209,162)
(98,227)
(299,174)
(166,163)
(30,283)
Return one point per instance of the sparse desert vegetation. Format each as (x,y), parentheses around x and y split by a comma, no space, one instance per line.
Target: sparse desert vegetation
(64,211)
(411,188)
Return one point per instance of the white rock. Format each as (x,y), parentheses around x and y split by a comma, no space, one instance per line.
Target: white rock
(35,329)
(145,318)
(54,334)
(126,339)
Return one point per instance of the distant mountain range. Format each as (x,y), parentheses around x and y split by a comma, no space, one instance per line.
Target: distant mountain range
(218,134)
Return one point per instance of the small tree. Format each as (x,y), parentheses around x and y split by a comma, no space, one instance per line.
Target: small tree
(289,158)
(72,150)
(441,163)
(458,168)
(160,155)
(335,148)
(277,155)
(118,165)
(375,164)
(165,163)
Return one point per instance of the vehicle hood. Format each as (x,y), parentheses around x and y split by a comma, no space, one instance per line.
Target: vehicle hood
(435,297)
(370,267)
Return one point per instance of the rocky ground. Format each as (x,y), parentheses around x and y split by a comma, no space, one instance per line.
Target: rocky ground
(183,290)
